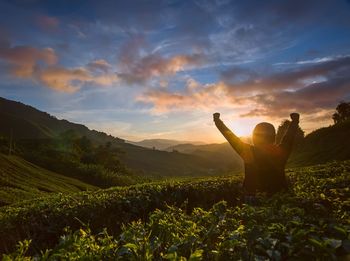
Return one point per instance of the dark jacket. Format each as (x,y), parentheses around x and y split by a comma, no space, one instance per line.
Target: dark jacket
(264,168)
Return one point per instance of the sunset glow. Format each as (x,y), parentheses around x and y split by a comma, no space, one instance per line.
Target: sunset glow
(160,69)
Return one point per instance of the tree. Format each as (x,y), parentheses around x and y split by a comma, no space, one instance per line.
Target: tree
(85,144)
(67,141)
(343,112)
(282,129)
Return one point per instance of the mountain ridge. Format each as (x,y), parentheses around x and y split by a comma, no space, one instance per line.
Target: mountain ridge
(26,122)
(162,144)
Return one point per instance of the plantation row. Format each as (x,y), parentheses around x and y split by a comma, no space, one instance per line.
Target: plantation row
(311,221)
(44,219)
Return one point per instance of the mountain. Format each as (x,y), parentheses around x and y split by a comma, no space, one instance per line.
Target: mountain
(323,145)
(320,146)
(28,123)
(161,144)
(223,154)
(20,180)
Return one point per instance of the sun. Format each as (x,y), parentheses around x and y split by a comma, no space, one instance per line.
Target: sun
(242,126)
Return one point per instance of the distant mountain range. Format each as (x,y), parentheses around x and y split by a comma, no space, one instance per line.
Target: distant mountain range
(222,153)
(162,144)
(322,145)
(25,122)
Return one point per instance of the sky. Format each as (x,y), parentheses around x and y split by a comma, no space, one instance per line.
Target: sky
(160,69)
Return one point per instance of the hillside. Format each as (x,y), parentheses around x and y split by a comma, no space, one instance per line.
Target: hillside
(323,145)
(320,146)
(165,163)
(223,154)
(28,123)
(22,180)
(186,219)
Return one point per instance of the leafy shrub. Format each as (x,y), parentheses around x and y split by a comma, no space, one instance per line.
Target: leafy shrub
(246,232)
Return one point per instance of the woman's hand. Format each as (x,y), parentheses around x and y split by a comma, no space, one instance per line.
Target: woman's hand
(216,116)
(295,116)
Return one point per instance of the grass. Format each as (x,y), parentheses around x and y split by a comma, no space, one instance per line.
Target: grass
(21,180)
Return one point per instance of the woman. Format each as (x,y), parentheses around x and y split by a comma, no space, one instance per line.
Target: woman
(264,161)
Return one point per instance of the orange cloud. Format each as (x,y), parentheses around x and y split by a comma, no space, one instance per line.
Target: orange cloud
(70,80)
(271,97)
(137,64)
(23,59)
(62,79)
(196,96)
(41,65)
(155,66)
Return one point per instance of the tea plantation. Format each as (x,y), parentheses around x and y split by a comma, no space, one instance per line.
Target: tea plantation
(195,219)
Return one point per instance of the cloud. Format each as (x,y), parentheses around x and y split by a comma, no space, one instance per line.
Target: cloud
(291,78)
(156,66)
(308,100)
(23,59)
(195,97)
(274,96)
(137,64)
(312,61)
(71,79)
(99,65)
(62,79)
(41,66)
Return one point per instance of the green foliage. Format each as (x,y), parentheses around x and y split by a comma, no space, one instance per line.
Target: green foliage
(43,220)
(282,129)
(21,180)
(178,221)
(77,157)
(323,145)
(272,230)
(342,112)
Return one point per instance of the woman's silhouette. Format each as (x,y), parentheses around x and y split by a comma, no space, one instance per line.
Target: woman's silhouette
(264,161)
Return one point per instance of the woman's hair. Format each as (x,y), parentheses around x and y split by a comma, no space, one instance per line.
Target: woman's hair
(264,133)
